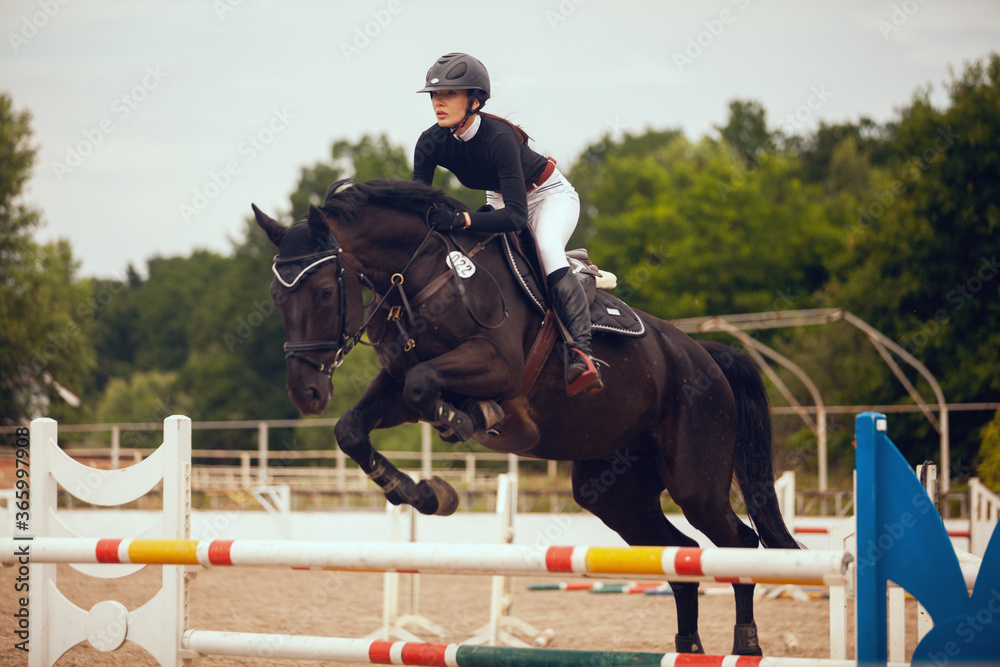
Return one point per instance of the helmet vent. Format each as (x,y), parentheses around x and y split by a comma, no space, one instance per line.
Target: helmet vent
(457,72)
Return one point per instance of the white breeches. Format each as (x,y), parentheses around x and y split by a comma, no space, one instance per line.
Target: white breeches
(553,211)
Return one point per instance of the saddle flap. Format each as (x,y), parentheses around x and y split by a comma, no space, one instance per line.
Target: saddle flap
(608,313)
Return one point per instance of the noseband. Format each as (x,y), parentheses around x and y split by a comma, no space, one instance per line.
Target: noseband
(344,342)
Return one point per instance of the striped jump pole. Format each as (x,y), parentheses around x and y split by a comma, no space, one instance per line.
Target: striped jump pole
(600,586)
(252,645)
(773,566)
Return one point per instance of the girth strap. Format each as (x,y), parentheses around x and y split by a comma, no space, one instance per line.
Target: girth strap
(539,352)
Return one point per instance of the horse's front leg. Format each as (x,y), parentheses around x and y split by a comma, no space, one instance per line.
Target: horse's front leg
(474,370)
(381,406)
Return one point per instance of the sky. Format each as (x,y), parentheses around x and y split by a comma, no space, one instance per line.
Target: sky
(157,123)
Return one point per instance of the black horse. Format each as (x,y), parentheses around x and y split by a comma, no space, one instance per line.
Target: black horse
(675,414)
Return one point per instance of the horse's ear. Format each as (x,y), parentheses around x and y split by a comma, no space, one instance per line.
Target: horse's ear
(317,224)
(274,229)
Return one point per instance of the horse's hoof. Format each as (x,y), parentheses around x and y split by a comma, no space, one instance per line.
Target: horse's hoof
(688,644)
(437,497)
(745,640)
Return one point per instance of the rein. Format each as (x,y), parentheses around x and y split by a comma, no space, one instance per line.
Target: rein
(346,342)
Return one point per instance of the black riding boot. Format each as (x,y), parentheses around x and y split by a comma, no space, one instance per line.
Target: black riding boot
(570,303)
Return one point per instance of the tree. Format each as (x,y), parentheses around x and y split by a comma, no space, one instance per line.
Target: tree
(370,157)
(589,173)
(988,459)
(235,368)
(690,229)
(922,244)
(44,310)
(746,132)
(873,140)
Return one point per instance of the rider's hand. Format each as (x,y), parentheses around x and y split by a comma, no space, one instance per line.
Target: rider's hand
(446,219)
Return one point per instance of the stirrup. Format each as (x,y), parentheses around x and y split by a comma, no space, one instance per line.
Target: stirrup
(589,380)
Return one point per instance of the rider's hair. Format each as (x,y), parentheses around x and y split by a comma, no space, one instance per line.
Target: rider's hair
(478,94)
(522,136)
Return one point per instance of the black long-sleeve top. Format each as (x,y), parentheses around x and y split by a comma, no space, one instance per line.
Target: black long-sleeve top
(493,159)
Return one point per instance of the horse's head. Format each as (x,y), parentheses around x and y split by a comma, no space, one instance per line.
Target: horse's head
(320,304)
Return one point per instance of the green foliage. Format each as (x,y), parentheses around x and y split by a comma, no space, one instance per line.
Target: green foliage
(895,222)
(988,461)
(923,241)
(367,159)
(589,172)
(746,132)
(145,397)
(871,139)
(208,321)
(685,227)
(44,310)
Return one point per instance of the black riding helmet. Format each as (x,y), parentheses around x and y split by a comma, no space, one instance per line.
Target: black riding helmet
(459,71)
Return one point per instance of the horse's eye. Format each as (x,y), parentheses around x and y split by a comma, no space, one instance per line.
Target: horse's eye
(325,295)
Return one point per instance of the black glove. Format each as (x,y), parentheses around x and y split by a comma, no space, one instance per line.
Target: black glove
(485,208)
(446,219)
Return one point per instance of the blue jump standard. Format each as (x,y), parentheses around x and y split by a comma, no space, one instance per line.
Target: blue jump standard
(901,538)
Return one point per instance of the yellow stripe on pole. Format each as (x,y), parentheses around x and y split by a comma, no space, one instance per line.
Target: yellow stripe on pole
(165,552)
(625,560)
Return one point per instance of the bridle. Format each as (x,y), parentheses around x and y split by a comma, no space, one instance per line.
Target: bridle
(344,342)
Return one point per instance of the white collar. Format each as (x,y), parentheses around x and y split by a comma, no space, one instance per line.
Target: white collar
(471,132)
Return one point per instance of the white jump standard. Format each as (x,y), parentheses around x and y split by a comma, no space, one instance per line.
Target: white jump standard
(161,626)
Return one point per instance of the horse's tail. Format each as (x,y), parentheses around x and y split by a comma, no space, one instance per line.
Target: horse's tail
(754,468)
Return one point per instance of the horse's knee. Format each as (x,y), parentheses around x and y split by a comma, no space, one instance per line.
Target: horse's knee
(351,439)
(421,389)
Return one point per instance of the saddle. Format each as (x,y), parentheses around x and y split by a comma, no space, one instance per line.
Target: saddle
(608,313)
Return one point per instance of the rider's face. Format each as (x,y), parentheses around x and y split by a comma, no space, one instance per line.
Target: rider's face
(449,106)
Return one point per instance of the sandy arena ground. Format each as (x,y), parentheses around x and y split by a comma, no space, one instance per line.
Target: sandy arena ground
(347,604)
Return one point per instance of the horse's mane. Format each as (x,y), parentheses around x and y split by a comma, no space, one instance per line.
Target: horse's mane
(346,197)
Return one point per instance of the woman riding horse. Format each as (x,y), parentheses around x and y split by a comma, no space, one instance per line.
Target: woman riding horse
(489,153)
